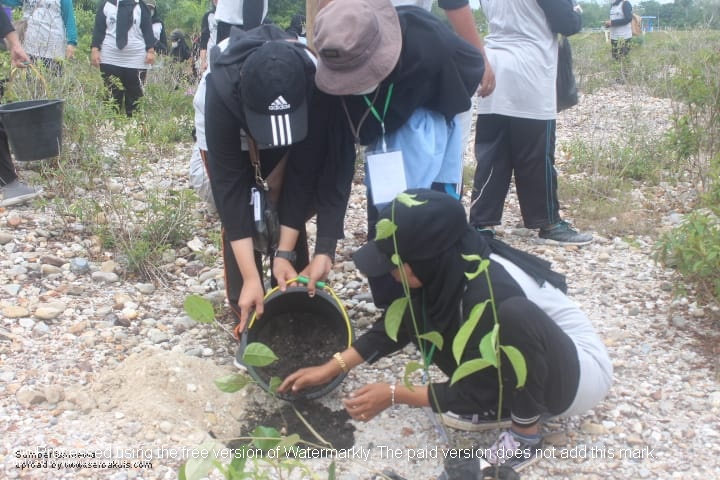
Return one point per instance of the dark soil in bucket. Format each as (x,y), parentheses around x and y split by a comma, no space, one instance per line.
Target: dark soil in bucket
(299,339)
(333,426)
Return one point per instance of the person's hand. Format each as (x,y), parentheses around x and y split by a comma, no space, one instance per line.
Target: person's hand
(309,377)
(18,57)
(251,298)
(607,23)
(95,57)
(283,271)
(366,402)
(487,84)
(318,270)
(150,57)
(70,51)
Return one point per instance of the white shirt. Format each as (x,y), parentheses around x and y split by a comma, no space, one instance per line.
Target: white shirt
(523,53)
(231,11)
(133,55)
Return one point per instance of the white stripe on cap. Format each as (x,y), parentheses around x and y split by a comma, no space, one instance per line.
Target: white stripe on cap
(281,131)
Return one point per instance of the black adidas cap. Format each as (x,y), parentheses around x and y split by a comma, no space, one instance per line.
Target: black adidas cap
(275,82)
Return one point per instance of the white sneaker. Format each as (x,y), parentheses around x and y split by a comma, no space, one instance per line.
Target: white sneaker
(18,192)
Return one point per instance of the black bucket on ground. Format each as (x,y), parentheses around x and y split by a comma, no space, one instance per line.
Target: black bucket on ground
(34,128)
(302,331)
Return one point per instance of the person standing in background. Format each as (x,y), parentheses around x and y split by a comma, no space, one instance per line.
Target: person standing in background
(208,35)
(123,32)
(620,25)
(51,33)
(246,14)
(515,129)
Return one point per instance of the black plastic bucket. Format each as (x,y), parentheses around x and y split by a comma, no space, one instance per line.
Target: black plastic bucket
(34,128)
(302,331)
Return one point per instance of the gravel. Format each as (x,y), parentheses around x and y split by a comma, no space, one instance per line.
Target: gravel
(95,361)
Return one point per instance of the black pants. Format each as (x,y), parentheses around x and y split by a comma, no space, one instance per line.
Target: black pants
(129,91)
(7,169)
(526,148)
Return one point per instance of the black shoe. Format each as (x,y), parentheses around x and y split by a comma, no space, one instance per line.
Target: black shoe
(488,231)
(563,234)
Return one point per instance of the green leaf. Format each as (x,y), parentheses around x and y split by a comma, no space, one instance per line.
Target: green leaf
(394,317)
(232,383)
(517,360)
(395,259)
(433,337)
(487,346)
(258,355)
(237,465)
(199,309)
(463,335)
(385,228)
(331,470)
(273,384)
(198,468)
(468,368)
(181,472)
(265,438)
(410,368)
(409,200)
(289,441)
(483,264)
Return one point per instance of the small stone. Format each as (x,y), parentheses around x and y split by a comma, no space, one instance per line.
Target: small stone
(105,277)
(714,399)
(26,322)
(108,266)
(47,313)
(145,288)
(54,261)
(165,426)
(157,336)
(12,289)
(78,328)
(27,396)
(593,428)
(79,265)
(15,312)
(556,438)
(207,352)
(6,237)
(54,394)
(50,270)
(679,321)
(13,220)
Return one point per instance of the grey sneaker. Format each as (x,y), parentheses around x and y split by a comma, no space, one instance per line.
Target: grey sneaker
(563,234)
(478,422)
(18,192)
(510,451)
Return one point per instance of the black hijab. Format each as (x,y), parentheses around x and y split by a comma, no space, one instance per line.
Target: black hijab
(125,9)
(433,235)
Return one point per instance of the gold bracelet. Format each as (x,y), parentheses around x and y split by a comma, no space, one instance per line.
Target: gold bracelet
(392,395)
(341,362)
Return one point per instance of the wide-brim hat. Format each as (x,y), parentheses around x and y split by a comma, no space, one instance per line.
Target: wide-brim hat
(358,44)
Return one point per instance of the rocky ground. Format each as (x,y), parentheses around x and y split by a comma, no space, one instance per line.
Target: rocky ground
(95,362)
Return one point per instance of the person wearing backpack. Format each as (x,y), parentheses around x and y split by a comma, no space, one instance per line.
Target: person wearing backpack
(620,25)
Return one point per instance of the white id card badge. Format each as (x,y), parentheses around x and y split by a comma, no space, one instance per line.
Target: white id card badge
(387,175)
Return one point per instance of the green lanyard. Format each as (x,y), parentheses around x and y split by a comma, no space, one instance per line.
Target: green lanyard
(377,115)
